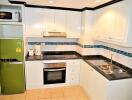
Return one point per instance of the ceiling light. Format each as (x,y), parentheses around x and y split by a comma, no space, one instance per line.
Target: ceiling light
(50,1)
(97,1)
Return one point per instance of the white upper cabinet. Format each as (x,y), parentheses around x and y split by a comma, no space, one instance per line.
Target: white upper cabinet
(48,19)
(112,23)
(39,22)
(54,20)
(73,24)
(33,22)
(60,20)
(87,27)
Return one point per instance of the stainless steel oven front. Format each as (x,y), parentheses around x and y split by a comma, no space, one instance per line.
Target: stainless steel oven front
(54,73)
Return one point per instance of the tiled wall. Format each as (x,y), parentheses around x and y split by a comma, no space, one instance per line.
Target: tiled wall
(53,44)
(120,54)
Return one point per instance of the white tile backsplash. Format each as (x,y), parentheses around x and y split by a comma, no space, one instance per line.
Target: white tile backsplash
(85,51)
(90,51)
(116,56)
(59,48)
(53,47)
(52,40)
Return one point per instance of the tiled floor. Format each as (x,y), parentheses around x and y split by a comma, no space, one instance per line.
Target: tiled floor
(61,93)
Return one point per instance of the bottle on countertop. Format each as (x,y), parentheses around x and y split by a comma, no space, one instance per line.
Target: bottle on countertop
(37,50)
(31,52)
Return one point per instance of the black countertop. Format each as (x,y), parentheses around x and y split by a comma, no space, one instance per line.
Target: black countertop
(55,55)
(93,61)
(97,60)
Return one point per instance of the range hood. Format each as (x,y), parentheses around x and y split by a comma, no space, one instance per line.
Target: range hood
(55,34)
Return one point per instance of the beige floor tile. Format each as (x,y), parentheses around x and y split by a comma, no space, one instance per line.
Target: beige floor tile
(62,93)
(76,98)
(72,91)
(44,99)
(5,97)
(34,91)
(57,92)
(32,94)
(31,97)
(59,98)
(45,94)
(18,96)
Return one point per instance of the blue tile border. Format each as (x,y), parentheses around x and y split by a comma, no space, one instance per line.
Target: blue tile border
(53,43)
(84,46)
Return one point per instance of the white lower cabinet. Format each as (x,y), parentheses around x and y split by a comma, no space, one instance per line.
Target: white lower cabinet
(73,72)
(97,87)
(92,83)
(34,74)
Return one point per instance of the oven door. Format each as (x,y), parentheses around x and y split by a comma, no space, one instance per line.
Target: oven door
(54,75)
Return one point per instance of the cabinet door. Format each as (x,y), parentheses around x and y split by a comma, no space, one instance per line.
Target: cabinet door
(73,72)
(111,23)
(99,86)
(116,22)
(34,74)
(33,22)
(60,20)
(48,20)
(99,28)
(73,24)
(122,14)
(86,78)
(93,82)
(54,20)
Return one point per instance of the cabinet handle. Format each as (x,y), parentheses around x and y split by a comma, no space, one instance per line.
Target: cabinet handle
(52,70)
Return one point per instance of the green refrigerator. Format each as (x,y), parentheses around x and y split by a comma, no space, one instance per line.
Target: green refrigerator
(12,78)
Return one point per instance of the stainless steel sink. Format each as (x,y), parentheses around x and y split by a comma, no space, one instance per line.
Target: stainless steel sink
(111,69)
(98,62)
(107,67)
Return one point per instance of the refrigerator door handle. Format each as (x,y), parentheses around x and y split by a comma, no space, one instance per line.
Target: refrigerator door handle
(15,62)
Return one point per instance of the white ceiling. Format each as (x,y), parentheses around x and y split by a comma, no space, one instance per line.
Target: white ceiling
(66,3)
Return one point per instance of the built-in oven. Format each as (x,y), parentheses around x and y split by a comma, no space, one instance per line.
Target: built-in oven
(54,73)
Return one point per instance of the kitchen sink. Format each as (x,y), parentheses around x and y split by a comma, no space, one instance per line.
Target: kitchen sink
(107,68)
(98,62)
(111,69)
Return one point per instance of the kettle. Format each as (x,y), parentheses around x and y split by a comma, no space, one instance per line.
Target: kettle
(31,52)
(37,50)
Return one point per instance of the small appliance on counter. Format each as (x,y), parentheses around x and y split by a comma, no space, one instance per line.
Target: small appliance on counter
(37,50)
(31,52)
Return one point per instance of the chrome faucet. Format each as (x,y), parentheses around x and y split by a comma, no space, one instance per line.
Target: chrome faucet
(111,62)
(111,59)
